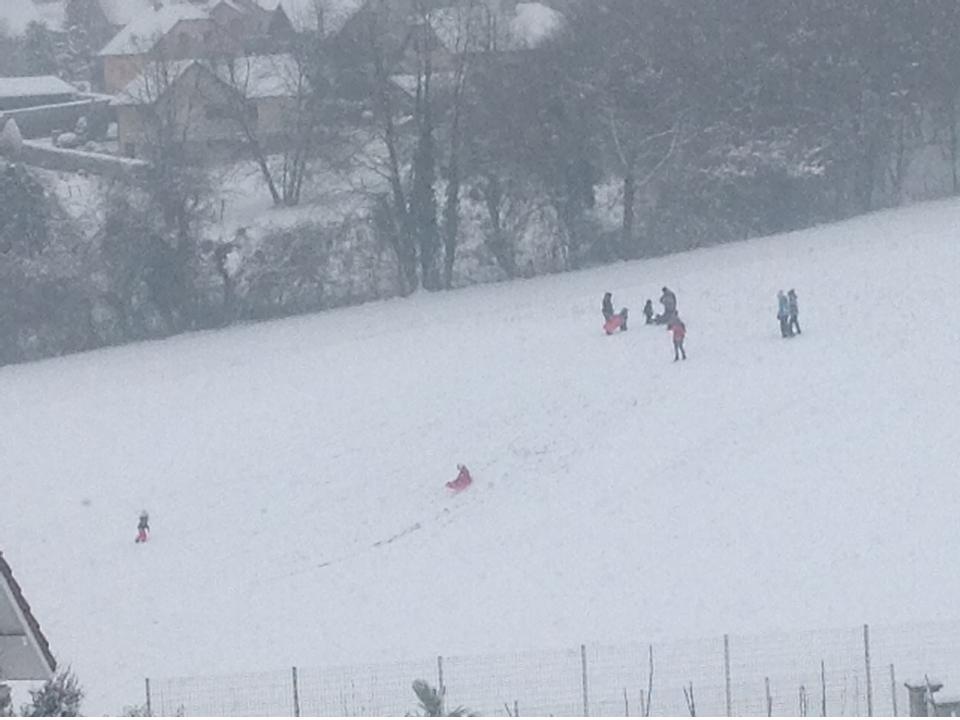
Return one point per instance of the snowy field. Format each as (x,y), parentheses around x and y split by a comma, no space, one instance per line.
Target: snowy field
(294,471)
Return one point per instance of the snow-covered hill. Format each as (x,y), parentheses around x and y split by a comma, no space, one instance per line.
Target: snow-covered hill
(294,470)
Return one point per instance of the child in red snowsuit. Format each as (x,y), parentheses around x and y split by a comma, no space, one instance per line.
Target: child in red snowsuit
(679,331)
(463,480)
(143,527)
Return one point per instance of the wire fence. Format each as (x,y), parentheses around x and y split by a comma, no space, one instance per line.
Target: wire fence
(854,672)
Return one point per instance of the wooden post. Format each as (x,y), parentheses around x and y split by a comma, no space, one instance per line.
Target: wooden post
(583,666)
(866,660)
(726,673)
(441,689)
(296,692)
(893,689)
(766,683)
(626,703)
(146,683)
(823,690)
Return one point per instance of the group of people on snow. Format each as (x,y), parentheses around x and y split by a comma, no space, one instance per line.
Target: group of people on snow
(670,317)
(788,313)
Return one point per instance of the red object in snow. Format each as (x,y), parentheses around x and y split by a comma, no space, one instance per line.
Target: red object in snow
(678,329)
(141,535)
(463,480)
(613,324)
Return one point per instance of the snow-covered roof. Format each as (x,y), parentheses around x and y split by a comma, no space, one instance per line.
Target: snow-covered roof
(140,35)
(23,647)
(307,14)
(34,86)
(15,15)
(257,76)
(124,12)
(151,83)
(487,27)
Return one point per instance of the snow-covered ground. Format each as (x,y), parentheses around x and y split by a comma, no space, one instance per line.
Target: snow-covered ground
(294,470)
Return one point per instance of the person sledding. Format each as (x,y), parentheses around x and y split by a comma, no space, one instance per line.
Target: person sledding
(143,527)
(607,307)
(462,481)
(679,332)
(617,321)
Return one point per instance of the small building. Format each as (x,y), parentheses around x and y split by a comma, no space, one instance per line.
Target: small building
(208,105)
(34,91)
(24,649)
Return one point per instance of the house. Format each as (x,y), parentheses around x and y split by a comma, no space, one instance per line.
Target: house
(171,32)
(35,91)
(23,647)
(112,14)
(180,30)
(327,16)
(208,104)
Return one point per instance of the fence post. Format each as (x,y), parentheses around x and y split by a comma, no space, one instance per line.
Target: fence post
(146,683)
(726,673)
(893,689)
(583,667)
(823,690)
(866,659)
(296,692)
(441,690)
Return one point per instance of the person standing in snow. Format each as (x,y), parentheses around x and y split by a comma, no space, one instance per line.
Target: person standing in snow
(607,308)
(794,308)
(783,314)
(648,311)
(669,302)
(143,527)
(679,331)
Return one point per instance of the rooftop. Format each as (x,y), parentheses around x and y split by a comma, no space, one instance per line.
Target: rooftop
(34,86)
(142,33)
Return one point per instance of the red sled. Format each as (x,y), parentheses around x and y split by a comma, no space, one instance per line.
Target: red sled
(613,324)
(462,482)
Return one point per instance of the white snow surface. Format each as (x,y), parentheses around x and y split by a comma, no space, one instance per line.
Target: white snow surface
(763,484)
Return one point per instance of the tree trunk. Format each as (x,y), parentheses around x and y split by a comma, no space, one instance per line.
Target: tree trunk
(627,244)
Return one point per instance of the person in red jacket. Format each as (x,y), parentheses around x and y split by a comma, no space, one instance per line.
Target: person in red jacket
(679,331)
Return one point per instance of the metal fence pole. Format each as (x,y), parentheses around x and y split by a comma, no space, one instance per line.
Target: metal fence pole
(726,673)
(296,692)
(583,666)
(893,689)
(146,683)
(866,659)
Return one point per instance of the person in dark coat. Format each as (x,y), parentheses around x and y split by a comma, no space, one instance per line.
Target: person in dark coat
(669,302)
(794,310)
(607,308)
(648,311)
(143,527)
